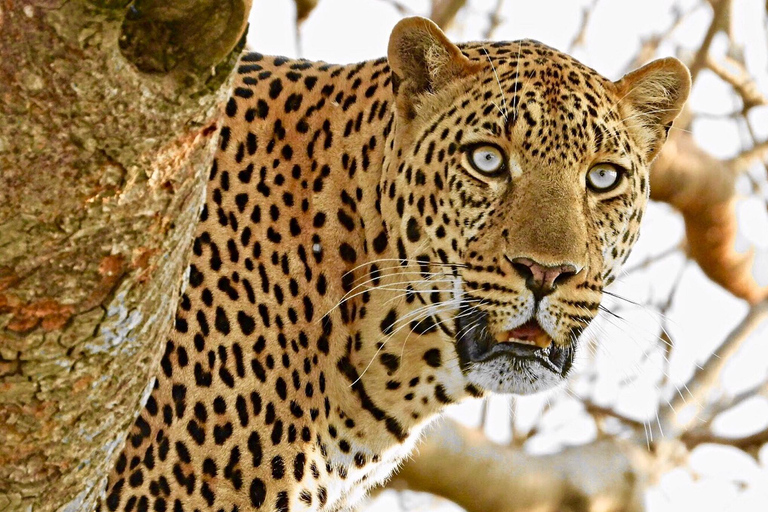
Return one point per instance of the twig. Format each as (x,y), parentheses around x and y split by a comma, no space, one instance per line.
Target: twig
(654,258)
(752,136)
(580,37)
(652,43)
(443,12)
(494,20)
(743,84)
(400,7)
(742,161)
(599,410)
(695,438)
(681,413)
(720,17)
(724,403)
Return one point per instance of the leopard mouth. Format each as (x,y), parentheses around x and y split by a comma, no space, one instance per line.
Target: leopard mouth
(528,346)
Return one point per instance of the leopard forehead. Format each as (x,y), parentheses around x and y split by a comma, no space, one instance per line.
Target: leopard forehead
(554,118)
(305,358)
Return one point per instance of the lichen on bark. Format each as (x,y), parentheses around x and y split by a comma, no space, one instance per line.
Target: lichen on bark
(102,170)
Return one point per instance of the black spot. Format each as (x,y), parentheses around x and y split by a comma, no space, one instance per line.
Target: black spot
(388,323)
(222,432)
(254,446)
(231,107)
(424,326)
(281,503)
(380,242)
(278,467)
(136,479)
(275,88)
(258,492)
(195,276)
(441,395)
(243,92)
(298,466)
(247,323)
(319,220)
(293,103)
(277,432)
(346,220)
(251,143)
(195,432)
(432,357)
(222,322)
(412,230)
(347,253)
(209,467)
(281,388)
(390,361)
(322,495)
(262,109)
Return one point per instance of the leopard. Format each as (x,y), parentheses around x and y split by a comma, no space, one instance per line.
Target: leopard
(379,241)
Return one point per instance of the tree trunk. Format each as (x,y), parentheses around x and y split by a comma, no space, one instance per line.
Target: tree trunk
(107,123)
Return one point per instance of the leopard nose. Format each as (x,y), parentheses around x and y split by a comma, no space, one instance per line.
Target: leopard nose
(542,279)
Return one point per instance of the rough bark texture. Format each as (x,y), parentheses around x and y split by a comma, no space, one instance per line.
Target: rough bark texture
(107,120)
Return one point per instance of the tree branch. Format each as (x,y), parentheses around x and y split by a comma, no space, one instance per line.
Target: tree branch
(702,189)
(443,12)
(461,465)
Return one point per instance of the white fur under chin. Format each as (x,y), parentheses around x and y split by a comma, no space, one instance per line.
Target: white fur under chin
(501,375)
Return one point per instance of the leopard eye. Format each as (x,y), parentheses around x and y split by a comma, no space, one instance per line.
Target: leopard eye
(488,160)
(603,177)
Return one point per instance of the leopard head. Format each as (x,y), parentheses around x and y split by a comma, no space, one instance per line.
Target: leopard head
(522,175)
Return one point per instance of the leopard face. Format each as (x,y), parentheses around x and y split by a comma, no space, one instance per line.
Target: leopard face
(378,241)
(522,175)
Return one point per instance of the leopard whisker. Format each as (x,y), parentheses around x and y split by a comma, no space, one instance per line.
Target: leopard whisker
(503,98)
(381,347)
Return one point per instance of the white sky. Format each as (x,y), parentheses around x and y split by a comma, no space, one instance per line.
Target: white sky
(717,478)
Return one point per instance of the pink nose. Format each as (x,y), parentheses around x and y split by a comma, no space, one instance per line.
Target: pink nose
(542,279)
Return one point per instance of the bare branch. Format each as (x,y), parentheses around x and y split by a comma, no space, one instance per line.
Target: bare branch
(652,43)
(600,411)
(720,20)
(746,158)
(303,9)
(444,12)
(494,20)
(580,38)
(722,404)
(654,258)
(702,188)
(695,438)
(400,7)
(462,465)
(682,412)
(743,83)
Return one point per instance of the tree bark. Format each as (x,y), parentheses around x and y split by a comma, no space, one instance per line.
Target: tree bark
(108,116)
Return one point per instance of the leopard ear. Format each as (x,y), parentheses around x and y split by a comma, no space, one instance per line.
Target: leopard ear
(423,61)
(656,92)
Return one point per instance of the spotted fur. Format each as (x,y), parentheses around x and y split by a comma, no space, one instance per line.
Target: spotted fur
(344,233)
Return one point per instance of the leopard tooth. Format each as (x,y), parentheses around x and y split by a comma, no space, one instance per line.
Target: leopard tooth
(543,340)
(502,336)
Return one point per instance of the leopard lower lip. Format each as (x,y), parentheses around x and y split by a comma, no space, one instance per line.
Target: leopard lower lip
(530,333)
(526,343)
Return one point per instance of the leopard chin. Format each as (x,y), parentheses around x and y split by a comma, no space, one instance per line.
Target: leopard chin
(522,361)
